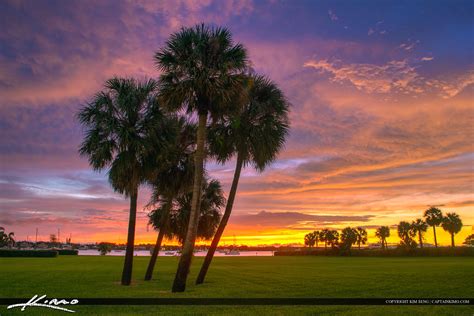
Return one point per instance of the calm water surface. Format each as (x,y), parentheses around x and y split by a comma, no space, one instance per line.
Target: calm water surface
(144,253)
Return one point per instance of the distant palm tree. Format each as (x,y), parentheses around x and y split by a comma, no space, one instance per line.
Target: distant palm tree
(332,237)
(123,124)
(406,234)
(201,69)
(383,232)
(419,227)
(309,239)
(323,236)
(212,200)
(469,241)
(433,217)
(361,236)
(349,236)
(6,240)
(104,248)
(317,234)
(452,223)
(173,176)
(255,135)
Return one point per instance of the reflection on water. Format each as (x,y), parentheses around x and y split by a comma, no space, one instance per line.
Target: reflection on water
(144,253)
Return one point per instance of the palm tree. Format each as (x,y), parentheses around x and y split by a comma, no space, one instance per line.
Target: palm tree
(123,124)
(383,232)
(323,236)
(317,236)
(212,200)
(419,227)
(332,237)
(406,234)
(6,240)
(104,248)
(433,217)
(452,224)
(469,241)
(361,236)
(349,236)
(309,239)
(201,69)
(255,135)
(173,176)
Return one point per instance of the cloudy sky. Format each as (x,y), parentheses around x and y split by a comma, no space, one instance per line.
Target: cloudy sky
(382,111)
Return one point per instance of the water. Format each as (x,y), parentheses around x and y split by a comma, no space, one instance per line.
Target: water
(146,253)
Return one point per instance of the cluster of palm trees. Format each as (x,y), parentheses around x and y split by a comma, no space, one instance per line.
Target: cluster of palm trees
(207,104)
(6,240)
(349,236)
(451,222)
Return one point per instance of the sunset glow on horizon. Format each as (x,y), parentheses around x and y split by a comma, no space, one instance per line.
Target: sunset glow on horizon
(382,115)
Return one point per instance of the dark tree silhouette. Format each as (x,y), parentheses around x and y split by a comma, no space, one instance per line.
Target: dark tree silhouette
(212,200)
(452,223)
(361,236)
(406,234)
(349,237)
(255,135)
(201,73)
(310,239)
(383,232)
(123,124)
(419,227)
(172,176)
(433,217)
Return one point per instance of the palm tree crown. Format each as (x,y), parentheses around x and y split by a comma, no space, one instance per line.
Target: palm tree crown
(383,232)
(452,223)
(201,69)
(419,227)
(433,217)
(212,200)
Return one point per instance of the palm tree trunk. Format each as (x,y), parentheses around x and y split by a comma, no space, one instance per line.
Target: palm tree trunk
(325,245)
(420,239)
(156,250)
(359,245)
(434,232)
(128,263)
(179,284)
(452,240)
(223,223)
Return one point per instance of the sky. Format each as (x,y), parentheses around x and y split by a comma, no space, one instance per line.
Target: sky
(381,114)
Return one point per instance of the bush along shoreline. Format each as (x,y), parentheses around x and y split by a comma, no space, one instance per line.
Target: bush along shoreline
(395,252)
(49,253)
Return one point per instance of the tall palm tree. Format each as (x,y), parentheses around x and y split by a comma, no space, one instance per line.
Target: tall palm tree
(173,176)
(452,223)
(309,239)
(255,135)
(212,200)
(123,124)
(419,227)
(361,236)
(383,232)
(434,217)
(201,73)
(406,234)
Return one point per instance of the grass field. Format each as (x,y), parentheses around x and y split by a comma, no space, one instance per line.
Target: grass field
(73,276)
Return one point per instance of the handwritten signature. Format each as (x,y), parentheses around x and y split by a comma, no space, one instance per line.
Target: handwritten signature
(41,301)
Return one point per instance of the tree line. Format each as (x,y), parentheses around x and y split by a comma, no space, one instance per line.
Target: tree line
(407,232)
(208,103)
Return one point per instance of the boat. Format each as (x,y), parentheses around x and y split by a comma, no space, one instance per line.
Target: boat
(170,253)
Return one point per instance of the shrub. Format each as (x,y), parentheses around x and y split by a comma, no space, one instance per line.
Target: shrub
(67,252)
(395,252)
(28,253)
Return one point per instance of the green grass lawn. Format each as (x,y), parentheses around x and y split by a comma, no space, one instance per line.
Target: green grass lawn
(358,277)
